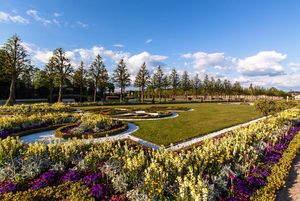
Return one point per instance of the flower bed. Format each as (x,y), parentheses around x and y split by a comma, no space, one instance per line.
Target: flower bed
(35,108)
(144,115)
(22,124)
(66,131)
(229,168)
(94,125)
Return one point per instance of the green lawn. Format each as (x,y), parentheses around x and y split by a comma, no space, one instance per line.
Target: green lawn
(206,118)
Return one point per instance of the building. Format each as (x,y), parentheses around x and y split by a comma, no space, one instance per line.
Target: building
(295,95)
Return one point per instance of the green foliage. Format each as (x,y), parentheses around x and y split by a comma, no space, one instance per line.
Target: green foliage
(270,107)
(266,107)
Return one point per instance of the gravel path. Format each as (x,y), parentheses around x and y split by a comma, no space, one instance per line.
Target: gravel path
(291,191)
(210,135)
(173,115)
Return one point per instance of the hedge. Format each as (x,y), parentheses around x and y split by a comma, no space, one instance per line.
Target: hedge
(35,130)
(58,132)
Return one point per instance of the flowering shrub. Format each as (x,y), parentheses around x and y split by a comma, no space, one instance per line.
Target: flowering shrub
(243,163)
(18,123)
(35,108)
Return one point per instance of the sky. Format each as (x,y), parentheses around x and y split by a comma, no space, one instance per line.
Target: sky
(250,41)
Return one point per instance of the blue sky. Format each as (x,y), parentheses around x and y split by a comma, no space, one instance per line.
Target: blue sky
(244,40)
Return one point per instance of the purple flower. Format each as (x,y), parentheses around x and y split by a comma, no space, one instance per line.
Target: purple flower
(72,175)
(242,189)
(98,191)
(46,179)
(9,187)
(4,134)
(271,157)
(92,179)
(260,172)
(255,181)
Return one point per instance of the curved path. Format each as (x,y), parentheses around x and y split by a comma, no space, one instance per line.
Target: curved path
(131,129)
(49,135)
(173,115)
(291,191)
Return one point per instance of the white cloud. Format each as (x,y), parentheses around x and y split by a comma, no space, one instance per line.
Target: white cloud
(35,15)
(285,82)
(81,24)
(294,66)
(42,56)
(203,61)
(118,45)
(152,61)
(57,14)
(6,17)
(263,63)
(149,40)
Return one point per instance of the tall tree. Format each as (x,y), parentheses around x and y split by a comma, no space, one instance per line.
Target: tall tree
(152,87)
(142,80)
(80,79)
(185,83)
(46,78)
(16,62)
(63,68)
(165,85)
(96,69)
(158,80)
(206,86)
(103,81)
(175,81)
(122,77)
(196,84)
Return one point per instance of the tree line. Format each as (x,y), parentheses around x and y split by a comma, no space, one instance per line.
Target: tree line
(18,74)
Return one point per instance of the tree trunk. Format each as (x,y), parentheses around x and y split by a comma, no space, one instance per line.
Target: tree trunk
(153,94)
(51,94)
(142,95)
(121,95)
(95,92)
(12,89)
(80,94)
(60,93)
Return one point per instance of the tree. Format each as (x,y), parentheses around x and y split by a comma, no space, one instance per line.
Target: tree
(206,86)
(96,70)
(185,83)
(227,88)
(267,107)
(237,88)
(174,81)
(46,78)
(103,81)
(158,80)
(121,77)
(63,69)
(79,79)
(196,84)
(152,87)
(142,80)
(165,85)
(16,62)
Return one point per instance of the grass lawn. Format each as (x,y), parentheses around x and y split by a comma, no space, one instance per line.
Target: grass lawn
(206,118)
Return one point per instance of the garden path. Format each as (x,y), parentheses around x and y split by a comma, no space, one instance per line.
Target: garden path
(291,191)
